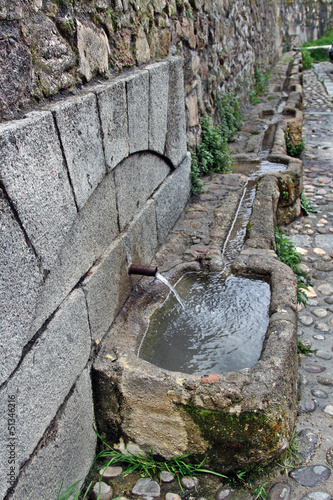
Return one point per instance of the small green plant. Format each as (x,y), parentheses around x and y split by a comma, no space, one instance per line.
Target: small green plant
(258,492)
(189,13)
(212,154)
(291,457)
(295,150)
(75,490)
(302,348)
(259,85)
(286,253)
(229,115)
(307,60)
(306,206)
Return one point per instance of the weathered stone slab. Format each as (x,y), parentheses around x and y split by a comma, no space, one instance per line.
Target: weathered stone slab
(141,237)
(158,105)
(106,288)
(171,199)
(136,178)
(20,279)
(176,147)
(68,451)
(44,379)
(137,86)
(113,114)
(92,233)
(94,50)
(78,123)
(35,178)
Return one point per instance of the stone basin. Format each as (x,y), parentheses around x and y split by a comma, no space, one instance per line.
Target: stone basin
(234,419)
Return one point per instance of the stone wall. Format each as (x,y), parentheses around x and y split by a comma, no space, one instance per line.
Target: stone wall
(87,186)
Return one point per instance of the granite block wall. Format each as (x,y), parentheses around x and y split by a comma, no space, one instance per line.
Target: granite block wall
(88,186)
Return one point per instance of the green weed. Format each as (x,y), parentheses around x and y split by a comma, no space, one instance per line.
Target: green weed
(307,60)
(74,490)
(259,85)
(295,150)
(258,492)
(302,348)
(291,457)
(306,206)
(286,253)
(229,115)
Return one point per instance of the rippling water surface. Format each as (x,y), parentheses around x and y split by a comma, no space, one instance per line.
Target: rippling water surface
(221,329)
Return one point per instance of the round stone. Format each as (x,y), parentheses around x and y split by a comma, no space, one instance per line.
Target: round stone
(322,327)
(313,368)
(319,337)
(320,313)
(223,493)
(309,406)
(146,487)
(329,457)
(172,496)
(306,320)
(301,250)
(166,476)
(329,410)
(318,251)
(280,491)
(310,475)
(325,381)
(329,300)
(317,495)
(189,482)
(318,393)
(325,289)
(312,302)
(111,472)
(308,442)
(323,354)
(101,491)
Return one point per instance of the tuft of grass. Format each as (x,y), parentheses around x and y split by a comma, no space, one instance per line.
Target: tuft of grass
(74,490)
(306,206)
(259,85)
(307,60)
(146,464)
(295,150)
(302,348)
(291,458)
(286,253)
(258,492)
(229,115)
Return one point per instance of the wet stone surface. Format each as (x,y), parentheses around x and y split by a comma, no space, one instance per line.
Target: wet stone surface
(311,475)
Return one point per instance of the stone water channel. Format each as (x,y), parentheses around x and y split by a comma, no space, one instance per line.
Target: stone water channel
(193,247)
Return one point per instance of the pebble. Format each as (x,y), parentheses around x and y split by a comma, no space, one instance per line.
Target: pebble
(323,355)
(329,457)
(317,495)
(322,327)
(325,289)
(309,406)
(320,313)
(319,337)
(329,410)
(172,496)
(319,251)
(166,476)
(189,482)
(308,441)
(280,491)
(306,320)
(313,368)
(223,493)
(325,381)
(318,393)
(146,487)
(111,472)
(310,475)
(101,491)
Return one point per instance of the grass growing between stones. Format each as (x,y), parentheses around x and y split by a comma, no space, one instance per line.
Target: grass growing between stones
(259,85)
(287,254)
(291,458)
(306,206)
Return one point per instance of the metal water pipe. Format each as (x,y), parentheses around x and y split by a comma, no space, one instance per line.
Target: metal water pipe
(142,270)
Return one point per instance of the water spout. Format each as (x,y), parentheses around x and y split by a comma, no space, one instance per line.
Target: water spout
(166,282)
(142,270)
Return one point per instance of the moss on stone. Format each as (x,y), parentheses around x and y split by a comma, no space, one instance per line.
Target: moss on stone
(231,437)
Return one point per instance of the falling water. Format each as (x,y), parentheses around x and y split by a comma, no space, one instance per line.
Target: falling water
(166,282)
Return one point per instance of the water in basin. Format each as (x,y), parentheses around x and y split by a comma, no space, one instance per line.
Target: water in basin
(221,329)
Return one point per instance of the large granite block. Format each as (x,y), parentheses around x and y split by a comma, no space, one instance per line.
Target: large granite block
(44,379)
(141,237)
(20,280)
(106,288)
(171,198)
(175,146)
(137,177)
(68,452)
(137,86)
(35,178)
(93,231)
(112,104)
(158,105)
(79,127)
